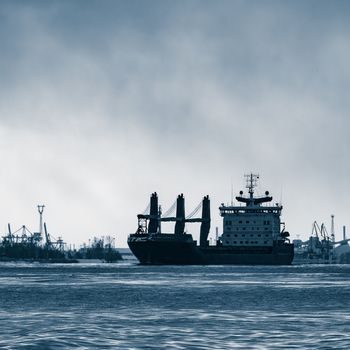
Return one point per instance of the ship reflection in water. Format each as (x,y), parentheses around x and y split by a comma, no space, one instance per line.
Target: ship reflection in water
(128,306)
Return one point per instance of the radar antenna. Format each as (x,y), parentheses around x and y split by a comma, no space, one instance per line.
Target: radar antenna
(252,182)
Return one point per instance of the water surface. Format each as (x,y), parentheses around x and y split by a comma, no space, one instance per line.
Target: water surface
(127,306)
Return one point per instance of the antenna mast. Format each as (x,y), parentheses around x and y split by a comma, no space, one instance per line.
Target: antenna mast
(332,229)
(252,182)
(41,210)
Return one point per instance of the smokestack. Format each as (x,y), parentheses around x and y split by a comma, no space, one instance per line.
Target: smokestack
(180,215)
(153,222)
(205,226)
(344,233)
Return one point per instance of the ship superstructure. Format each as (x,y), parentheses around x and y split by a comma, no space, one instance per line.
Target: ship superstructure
(251,233)
(254,224)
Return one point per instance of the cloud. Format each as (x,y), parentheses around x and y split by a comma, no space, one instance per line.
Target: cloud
(103,104)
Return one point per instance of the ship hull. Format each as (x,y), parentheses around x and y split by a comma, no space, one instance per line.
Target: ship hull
(165,249)
(160,251)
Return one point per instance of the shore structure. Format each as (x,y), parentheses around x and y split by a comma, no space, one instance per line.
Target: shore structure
(41,246)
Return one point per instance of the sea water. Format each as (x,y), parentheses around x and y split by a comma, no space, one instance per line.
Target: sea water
(127,306)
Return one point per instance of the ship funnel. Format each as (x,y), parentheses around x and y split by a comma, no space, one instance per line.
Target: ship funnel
(205,225)
(153,221)
(180,215)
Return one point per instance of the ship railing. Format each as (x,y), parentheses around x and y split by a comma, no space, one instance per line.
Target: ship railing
(238,210)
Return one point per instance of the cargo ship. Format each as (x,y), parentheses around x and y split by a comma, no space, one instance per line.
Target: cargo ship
(252,233)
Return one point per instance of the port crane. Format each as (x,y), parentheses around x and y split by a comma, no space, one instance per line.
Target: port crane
(24,236)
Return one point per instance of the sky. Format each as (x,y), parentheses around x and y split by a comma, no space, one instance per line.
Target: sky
(104,102)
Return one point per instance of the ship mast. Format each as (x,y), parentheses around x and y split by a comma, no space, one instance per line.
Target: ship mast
(252,181)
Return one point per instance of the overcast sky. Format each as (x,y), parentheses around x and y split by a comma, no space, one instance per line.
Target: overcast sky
(104,102)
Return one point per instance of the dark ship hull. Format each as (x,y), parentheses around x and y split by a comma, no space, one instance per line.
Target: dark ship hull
(167,249)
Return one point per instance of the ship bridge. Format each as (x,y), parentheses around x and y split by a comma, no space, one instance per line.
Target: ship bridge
(253,204)
(227,210)
(257,223)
